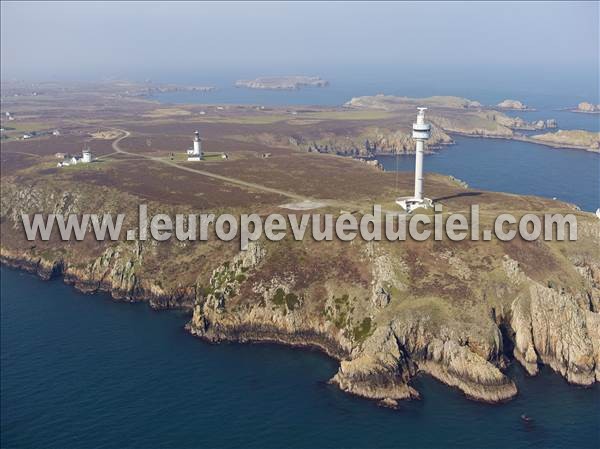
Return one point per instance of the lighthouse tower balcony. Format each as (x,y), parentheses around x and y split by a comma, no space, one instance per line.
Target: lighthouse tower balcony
(421,131)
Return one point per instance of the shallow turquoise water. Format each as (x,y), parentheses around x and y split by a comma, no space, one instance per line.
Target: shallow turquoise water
(86,371)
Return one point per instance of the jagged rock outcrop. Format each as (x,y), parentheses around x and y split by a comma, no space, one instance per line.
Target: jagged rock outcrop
(277,316)
(552,328)
(381,370)
(411,345)
(387,312)
(556,328)
(518,123)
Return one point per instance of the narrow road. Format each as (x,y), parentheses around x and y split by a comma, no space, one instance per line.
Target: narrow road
(235,181)
(238,182)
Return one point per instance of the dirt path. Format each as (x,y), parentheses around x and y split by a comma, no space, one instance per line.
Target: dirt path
(300,202)
(235,181)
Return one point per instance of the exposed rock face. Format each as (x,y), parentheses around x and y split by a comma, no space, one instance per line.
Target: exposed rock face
(387,312)
(512,104)
(587,107)
(393,355)
(282,82)
(381,371)
(115,270)
(518,123)
(115,275)
(552,328)
(371,141)
(546,326)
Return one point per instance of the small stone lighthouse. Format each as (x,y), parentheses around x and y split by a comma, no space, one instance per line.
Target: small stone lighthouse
(86,155)
(195,153)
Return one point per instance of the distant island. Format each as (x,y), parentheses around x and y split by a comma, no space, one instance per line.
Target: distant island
(176,88)
(587,108)
(393,103)
(514,105)
(283,82)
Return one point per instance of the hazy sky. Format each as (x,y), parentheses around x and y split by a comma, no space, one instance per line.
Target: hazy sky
(81,40)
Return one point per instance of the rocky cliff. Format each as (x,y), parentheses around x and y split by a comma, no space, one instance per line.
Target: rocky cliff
(385,340)
(458,312)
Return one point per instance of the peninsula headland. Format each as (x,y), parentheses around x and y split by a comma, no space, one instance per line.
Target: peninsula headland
(458,311)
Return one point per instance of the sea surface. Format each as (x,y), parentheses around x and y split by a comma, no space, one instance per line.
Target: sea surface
(515,167)
(550,94)
(84,371)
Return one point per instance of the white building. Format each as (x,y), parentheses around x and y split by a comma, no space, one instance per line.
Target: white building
(86,158)
(86,155)
(195,153)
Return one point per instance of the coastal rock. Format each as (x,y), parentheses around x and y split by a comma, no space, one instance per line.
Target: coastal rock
(381,371)
(512,104)
(518,123)
(457,312)
(552,327)
(391,356)
(584,106)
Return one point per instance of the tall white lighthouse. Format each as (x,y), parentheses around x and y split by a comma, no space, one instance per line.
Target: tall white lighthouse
(195,153)
(421,132)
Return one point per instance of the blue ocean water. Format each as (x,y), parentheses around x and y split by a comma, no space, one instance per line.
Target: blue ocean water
(84,371)
(545,89)
(515,167)
(337,95)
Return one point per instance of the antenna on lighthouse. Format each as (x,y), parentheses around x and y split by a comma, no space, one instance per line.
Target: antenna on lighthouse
(421,131)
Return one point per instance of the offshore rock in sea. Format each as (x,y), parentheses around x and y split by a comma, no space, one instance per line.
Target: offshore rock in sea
(512,104)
